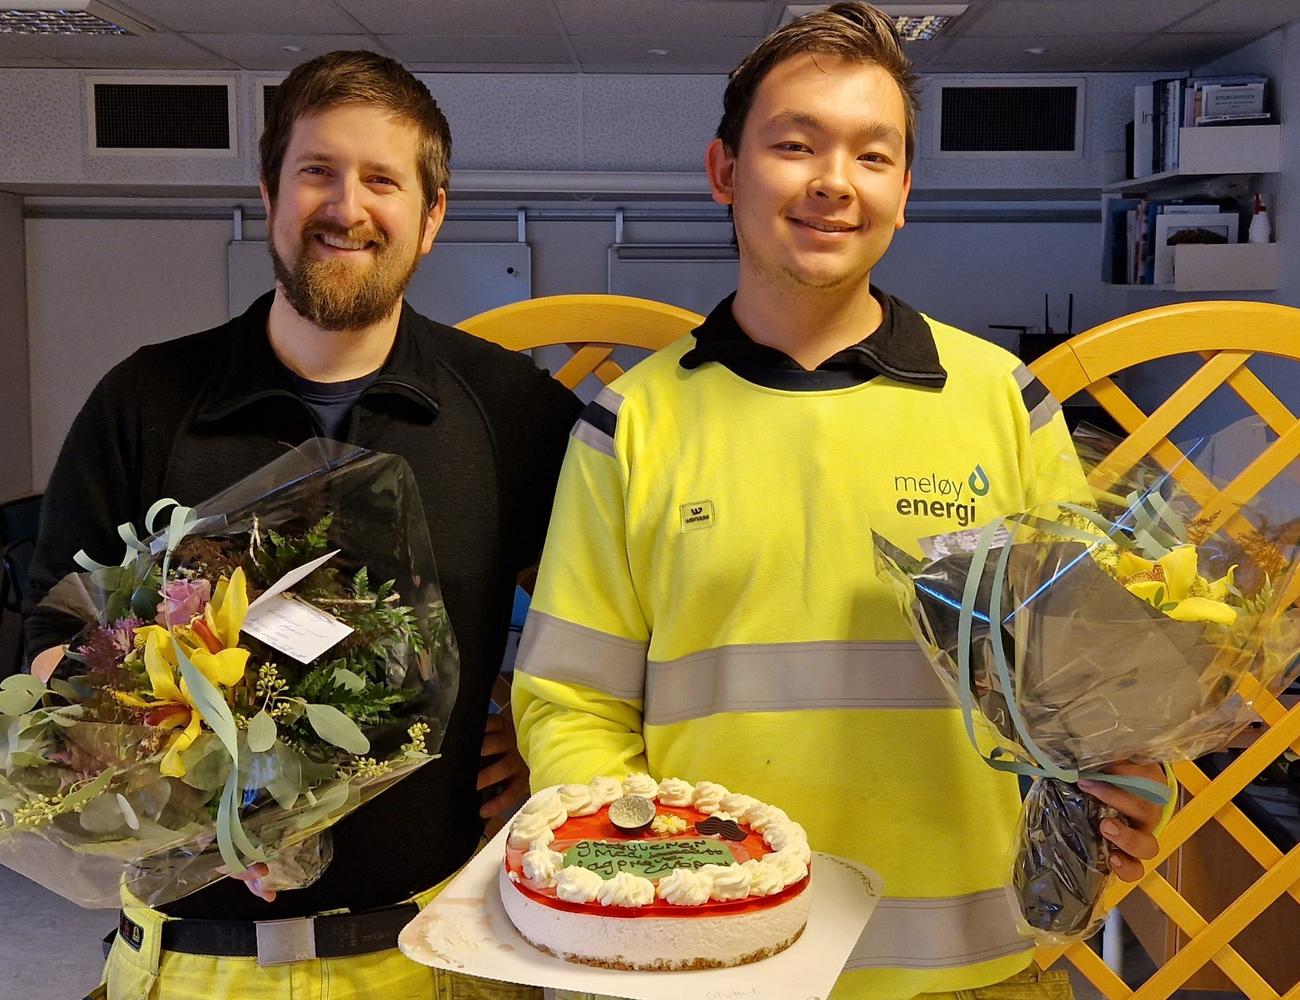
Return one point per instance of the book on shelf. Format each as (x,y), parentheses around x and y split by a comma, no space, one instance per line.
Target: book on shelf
(1163,107)
(1139,235)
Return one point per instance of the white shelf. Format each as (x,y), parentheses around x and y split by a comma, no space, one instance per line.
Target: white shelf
(1238,267)
(1222,267)
(1211,151)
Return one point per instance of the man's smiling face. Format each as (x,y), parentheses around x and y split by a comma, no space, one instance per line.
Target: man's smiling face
(820,181)
(349,224)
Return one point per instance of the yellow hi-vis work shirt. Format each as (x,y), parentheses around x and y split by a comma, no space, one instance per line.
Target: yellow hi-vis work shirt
(707,608)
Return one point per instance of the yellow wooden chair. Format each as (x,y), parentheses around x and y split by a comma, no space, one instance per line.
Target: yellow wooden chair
(592,327)
(1224,335)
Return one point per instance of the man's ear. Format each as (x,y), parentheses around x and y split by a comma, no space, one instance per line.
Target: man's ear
(720,164)
(901,220)
(266,196)
(433,222)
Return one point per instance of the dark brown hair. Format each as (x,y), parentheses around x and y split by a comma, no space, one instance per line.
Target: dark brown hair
(358,77)
(854,31)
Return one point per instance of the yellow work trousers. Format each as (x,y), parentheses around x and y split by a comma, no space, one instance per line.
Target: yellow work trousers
(152,974)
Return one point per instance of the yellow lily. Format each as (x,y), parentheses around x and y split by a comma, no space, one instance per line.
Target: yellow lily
(210,643)
(1172,584)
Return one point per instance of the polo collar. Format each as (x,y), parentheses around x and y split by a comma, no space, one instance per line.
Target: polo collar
(902,348)
(251,372)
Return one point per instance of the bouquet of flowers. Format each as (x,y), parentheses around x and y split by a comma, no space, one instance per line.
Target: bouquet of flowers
(249,675)
(1114,626)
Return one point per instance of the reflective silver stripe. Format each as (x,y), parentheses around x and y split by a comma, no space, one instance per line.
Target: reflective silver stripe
(593,436)
(791,676)
(574,654)
(597,422)
(1041,414)
(1042,405)
(939,933)
(609,399)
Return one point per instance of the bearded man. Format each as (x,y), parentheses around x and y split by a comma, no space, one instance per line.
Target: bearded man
(354,173)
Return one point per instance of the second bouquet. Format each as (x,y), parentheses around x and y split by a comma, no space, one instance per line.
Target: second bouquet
(1115,626)
(251,673)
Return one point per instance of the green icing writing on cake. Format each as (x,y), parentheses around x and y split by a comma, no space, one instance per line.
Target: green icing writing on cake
(650,859)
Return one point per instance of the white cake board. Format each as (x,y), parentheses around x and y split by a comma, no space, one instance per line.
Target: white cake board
(465,929)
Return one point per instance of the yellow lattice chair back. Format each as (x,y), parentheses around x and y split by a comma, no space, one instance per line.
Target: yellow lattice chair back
(591,326)
(1223,337)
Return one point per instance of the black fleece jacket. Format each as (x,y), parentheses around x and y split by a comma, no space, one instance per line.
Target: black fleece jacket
(484,431)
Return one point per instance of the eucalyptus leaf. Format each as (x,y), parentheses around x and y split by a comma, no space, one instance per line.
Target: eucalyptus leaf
(68,715)
(347,680)
(333,726)
(286,785)
(19,693)
(261,732)
(87,792)
(207,763)
(144,602)
(64,689)
(102,815)
(132,820)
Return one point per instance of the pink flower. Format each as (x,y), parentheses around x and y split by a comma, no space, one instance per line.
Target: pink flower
(183,600)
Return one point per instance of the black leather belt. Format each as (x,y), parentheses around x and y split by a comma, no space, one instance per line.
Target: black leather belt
(275,942)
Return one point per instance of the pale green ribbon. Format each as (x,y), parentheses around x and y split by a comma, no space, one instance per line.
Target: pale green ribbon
(232,840)
(1002,758)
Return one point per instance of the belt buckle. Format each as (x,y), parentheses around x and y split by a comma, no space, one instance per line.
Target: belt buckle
(280,942)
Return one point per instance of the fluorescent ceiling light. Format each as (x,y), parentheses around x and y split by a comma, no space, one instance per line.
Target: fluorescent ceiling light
(916,22)
(71,17)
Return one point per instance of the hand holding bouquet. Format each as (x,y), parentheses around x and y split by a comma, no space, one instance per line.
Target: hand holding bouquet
(246,678)
(1108,628)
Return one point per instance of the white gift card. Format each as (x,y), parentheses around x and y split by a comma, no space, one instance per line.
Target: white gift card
(290,578)
(294,627)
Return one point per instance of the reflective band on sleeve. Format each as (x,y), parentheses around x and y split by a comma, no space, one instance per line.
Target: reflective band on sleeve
(943,933)
(1040,404)
(557,650)
(793,676)
(596,423)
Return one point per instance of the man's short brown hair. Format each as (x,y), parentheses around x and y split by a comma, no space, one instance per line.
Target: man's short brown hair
(358,77)
(854,31)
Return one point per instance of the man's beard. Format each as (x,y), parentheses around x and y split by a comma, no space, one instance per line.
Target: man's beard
(335,294)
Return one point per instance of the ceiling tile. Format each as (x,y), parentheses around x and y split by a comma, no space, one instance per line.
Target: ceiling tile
(705,18)
(457,17)
(684,54)
(1008,55)
(488,49)
(1183,51)
(29,62)
(267,51)
(1074,17)
(156,51)
(1258,16)
(313,17)
(16,45)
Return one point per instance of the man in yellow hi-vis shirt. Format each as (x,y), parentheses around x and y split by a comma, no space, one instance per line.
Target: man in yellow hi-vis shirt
(707,606)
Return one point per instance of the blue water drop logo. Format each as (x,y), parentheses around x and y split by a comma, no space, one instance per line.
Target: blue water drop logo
(978,482)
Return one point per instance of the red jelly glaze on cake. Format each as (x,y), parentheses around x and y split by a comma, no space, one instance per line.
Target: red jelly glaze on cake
(598,827)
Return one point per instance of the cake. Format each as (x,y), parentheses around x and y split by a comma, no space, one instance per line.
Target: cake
(639,874)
